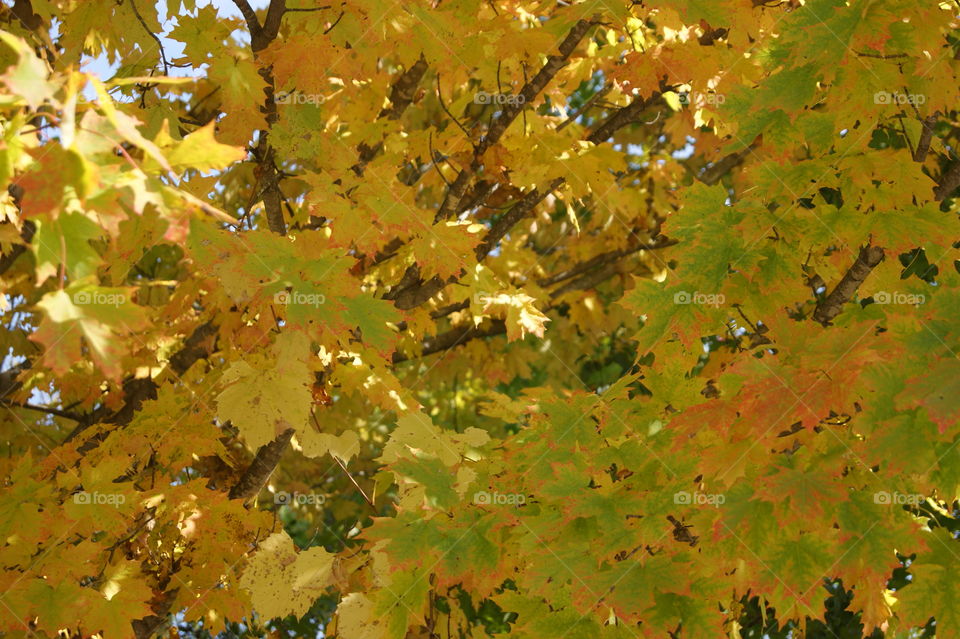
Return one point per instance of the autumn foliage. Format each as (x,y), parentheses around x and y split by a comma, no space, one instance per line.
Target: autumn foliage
(449,318)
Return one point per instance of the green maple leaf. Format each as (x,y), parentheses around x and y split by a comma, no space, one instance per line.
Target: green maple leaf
(66,240)
(933,591)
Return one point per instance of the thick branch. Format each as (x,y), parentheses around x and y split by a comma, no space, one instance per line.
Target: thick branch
(621,118)
(138,390)
(830,306)
(596,270)
(253,24)
(404,89)
(271,24)
(402,93)
(509,219)
(416,294)
(262,466)
(537,83)
(454,337)
(269,177)
(412,292)
(948,182)
(926,136)
(721,167)
(452,202)
(270,192)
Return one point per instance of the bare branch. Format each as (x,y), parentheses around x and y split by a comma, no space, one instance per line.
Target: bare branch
(538,83)
(260,469)
(604,90)
(143,23)
(509,219)
(620,118)
(926,136)
(831,305)
(253,24)
(452,201)
(948,182)
(721,167)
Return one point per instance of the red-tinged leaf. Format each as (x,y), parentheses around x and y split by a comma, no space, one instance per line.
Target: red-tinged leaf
(936,390)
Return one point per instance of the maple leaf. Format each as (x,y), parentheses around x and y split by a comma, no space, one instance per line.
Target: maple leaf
(95,316)
(282,581)
(264,400)
(334,231)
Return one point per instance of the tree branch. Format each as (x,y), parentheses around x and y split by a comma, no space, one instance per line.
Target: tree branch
(537,83)
(402,93)
(454,337)
(831,305)
(416,291)
(721,167)
(948,182)
(262,466)
(605,267)
(137,391)
(620,118)
(253,24)
(271,24)
(604,90)
(143,23)
(56,412)
(509,219)
(926,135)
(451,203)
(604,258)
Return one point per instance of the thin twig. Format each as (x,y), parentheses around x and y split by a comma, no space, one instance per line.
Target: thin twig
(433,158)
(289,10)
(447,111)
(335,23)
(45,409)
(163,56)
